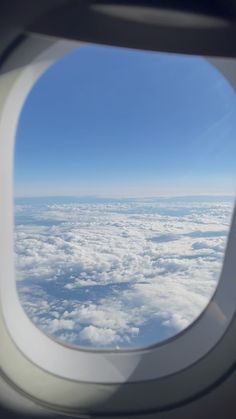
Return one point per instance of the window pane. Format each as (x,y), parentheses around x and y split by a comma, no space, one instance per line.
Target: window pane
(124,189)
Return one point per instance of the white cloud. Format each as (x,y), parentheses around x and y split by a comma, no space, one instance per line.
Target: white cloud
(104,274)
(58,324)
(99,335)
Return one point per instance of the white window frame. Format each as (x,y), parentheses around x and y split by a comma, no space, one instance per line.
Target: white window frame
(95,370)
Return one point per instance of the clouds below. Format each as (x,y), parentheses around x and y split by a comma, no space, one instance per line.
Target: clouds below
(119,274)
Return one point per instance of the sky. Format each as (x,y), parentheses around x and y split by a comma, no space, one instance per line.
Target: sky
(114,122)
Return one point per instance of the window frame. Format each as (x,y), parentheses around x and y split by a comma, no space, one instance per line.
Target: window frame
(159,367)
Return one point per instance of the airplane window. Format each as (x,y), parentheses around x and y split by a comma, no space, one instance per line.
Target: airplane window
(124,189)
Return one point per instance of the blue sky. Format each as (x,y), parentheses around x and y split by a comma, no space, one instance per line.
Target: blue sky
(112,122)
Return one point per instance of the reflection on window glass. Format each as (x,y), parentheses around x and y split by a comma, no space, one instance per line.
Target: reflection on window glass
(124,189)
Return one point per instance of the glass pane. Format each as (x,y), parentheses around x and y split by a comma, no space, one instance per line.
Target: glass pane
(124,189)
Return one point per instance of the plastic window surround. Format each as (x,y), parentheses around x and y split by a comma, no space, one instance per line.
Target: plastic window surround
(20,73)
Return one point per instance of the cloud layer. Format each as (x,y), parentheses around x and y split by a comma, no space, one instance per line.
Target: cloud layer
(119,274)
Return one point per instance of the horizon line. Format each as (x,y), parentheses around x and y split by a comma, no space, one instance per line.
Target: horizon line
(231,195)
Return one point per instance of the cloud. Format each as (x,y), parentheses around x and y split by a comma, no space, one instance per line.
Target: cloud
(125,274)
(99,335)
(60,324)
